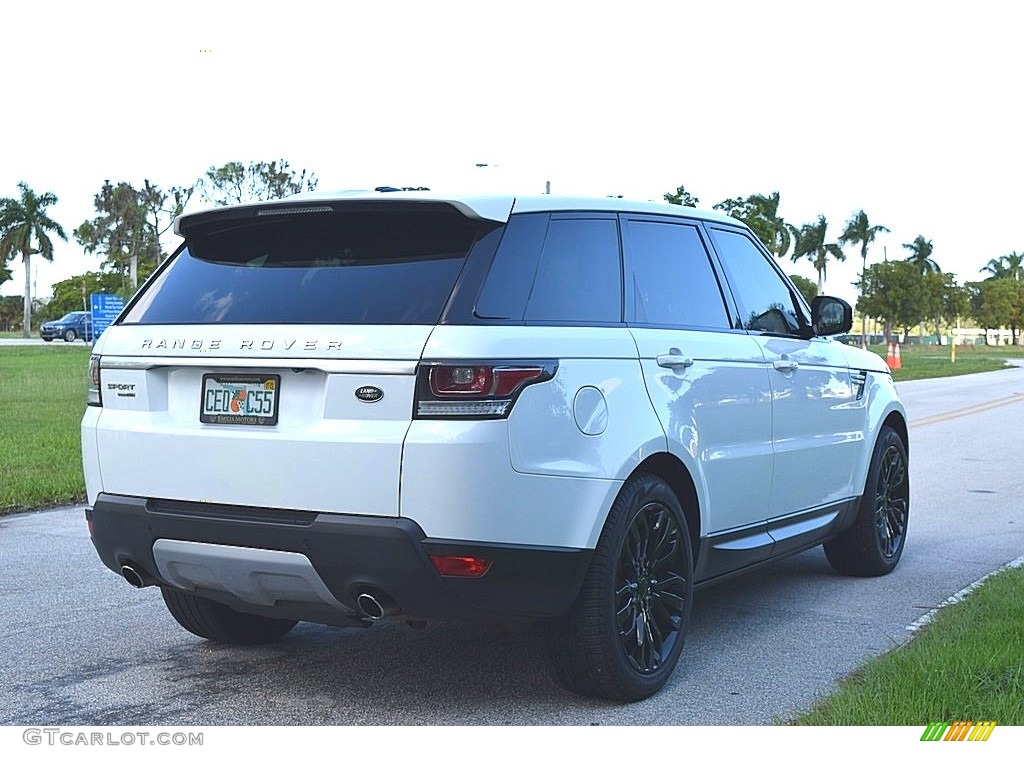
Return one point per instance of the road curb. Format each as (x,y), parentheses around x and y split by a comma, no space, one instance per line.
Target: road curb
(958,597)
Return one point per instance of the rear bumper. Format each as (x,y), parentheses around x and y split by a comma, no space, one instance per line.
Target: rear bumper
(348,554)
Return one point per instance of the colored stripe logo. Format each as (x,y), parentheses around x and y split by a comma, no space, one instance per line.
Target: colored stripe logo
(960,730)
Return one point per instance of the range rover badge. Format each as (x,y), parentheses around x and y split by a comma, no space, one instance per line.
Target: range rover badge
(369,394)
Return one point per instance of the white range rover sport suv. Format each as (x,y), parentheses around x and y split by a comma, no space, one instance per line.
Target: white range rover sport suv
(344,408)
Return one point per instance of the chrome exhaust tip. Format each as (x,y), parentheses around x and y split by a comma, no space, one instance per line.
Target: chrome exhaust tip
(370,606)
(133,577)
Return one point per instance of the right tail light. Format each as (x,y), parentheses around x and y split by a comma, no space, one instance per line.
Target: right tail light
(476,390)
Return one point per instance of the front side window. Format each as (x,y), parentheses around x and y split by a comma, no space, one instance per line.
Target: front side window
(766,303)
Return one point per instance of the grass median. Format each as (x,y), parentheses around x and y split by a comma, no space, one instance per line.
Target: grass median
(930,362)
(42,399)
(968,664)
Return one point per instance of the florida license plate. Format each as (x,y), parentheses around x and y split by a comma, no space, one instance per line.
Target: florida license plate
(234,398)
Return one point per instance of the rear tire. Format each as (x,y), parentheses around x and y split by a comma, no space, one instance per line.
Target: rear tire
(624,634)
(873,546)
(70,335)
(215,621)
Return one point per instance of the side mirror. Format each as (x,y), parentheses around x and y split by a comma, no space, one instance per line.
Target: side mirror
(830,316)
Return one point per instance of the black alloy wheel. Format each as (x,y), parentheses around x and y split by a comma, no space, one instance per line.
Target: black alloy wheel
(651,595)
(892,501)
(622,638)
(873,545)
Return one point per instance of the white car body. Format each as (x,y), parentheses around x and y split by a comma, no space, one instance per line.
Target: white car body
(768,437)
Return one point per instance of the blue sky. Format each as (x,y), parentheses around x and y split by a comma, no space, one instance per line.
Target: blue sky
(910,111)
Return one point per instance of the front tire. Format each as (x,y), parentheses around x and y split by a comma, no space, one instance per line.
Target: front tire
(624,634)
(70,335)
(874,545)
(216,621)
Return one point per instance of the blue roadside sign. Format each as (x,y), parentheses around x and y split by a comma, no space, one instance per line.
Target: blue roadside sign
(105,309)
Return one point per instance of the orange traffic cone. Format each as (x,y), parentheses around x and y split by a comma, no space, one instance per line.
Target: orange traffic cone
(890,357)
(898,361)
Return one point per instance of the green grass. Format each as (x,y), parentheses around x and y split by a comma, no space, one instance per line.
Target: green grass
(42,399)
(968,664)
(929,362)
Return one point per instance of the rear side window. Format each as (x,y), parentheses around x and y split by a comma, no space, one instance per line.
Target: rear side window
(671,278)
(371,267)
(555,270)
(579,277)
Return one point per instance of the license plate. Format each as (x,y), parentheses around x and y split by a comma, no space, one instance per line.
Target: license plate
(234,398)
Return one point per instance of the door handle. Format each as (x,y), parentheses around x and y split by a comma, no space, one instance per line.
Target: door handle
(785,365)
(674,359)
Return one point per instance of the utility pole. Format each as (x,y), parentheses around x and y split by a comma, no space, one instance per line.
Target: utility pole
(863,288)
(547,187)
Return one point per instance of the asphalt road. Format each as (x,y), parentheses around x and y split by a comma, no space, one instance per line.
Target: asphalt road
(38,342)
(81,647)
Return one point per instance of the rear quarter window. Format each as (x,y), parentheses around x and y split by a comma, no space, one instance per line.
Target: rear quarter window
(555,269)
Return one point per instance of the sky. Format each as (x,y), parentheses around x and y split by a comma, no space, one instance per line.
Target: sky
(911,111)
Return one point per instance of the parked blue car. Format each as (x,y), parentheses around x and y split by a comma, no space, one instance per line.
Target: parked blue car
(74,325)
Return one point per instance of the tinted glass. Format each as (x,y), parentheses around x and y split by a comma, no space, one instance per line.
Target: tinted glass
(764,298)
(579,277)
(393,268)
(508,283)
(672,281)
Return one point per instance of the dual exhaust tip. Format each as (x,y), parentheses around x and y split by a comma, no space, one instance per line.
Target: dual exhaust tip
(371,605)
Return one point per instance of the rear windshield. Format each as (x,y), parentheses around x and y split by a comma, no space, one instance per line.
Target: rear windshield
(366,268)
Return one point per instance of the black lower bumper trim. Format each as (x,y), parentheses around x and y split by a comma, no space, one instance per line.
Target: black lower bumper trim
(352,554)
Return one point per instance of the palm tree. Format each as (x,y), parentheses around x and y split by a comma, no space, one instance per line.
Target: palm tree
(1015,265)
(860,230)
(780,234)
(810,243)
(1011,265)
(995,268)
(921,255)
(761,214)
(22,221)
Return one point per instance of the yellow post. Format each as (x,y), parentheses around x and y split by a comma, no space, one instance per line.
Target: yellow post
(952,348)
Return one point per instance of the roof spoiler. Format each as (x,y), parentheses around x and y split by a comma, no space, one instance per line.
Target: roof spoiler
(484,208)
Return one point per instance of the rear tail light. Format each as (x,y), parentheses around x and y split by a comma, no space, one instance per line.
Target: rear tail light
(94,396)
(476,390)
(455,380)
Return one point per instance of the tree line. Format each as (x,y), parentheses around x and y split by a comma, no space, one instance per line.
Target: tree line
(127,231)
(899,294)
(131,221)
